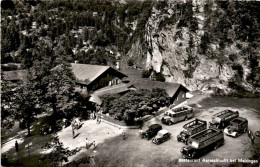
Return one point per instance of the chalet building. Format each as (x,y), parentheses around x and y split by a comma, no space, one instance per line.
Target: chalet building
(93,77)
(176,92)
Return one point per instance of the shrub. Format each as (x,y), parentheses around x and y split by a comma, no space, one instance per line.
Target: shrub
(239,69)
(130,62)
(146,74)
(134,104)
(159,77)
(233,57)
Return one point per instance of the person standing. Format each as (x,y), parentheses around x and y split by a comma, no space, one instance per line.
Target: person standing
(97,119)
(123,135)
(16,146)
(253,139)
(249,134)
(141,133)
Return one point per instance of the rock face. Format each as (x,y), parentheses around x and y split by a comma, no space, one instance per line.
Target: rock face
(169,54)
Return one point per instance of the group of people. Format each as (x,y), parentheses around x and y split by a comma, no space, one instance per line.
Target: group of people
(43,131)
(95,116)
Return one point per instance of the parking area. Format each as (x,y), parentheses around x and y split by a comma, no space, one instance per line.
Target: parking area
(133,151)
(141,152)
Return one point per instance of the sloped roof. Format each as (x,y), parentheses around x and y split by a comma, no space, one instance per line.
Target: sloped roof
(170,88)
(112,89)
(95,99)
(87,72)
(15,75)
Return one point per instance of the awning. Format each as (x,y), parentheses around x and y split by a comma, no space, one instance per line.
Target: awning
(95,99)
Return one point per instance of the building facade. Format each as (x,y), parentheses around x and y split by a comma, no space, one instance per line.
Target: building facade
(93,77)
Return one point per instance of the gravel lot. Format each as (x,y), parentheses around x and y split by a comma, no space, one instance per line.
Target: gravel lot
(114,151)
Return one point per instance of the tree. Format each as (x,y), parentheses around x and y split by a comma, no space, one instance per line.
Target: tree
(159,77)
(27,100)
(130,62)
(205,40)
(59,153)
(134,104)
(7,104)
(60,92)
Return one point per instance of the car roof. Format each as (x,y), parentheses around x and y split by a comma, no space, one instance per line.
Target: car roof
(155,126)
(163,131)
(239,119)
(170,111)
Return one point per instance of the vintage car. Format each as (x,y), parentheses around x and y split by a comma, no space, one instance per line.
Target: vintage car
(162,136)
(152,131)
(237,127)
(167,120)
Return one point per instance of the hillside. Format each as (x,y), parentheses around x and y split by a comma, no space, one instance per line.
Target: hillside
(211,46)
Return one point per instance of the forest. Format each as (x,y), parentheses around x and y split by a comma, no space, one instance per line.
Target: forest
(43,37)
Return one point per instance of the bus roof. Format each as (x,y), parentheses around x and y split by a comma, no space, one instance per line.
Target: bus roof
(204,135)
(194,124)
(178,110)
(225,113)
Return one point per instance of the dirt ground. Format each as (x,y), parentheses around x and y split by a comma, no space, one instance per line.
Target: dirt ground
(114,151)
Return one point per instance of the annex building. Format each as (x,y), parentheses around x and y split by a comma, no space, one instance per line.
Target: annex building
(176,92)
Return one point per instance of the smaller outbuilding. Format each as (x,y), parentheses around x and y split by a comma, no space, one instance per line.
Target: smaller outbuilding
(176,92)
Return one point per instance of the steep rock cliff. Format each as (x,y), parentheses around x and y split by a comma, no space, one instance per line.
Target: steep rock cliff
(174,51)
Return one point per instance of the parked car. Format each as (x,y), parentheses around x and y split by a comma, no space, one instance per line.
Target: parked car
(152,131)
(162,136)
(237,127)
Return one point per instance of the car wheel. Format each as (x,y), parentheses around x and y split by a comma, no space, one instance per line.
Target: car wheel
(236,134)
(169,123)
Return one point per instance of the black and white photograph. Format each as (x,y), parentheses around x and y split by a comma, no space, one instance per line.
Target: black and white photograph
(130,83)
